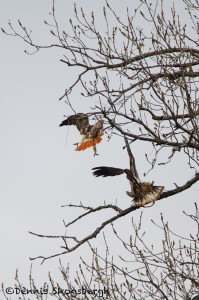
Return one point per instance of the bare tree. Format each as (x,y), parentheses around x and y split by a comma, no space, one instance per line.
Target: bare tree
(143,271)
(145,82)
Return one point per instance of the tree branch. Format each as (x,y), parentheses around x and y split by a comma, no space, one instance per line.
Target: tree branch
(182,188)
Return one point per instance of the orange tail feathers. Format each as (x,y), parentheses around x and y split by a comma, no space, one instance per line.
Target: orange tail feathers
(89,143)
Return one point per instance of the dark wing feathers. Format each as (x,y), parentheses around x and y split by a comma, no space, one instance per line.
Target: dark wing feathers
(107,171)
(80,120)
(132,161)
(95,129)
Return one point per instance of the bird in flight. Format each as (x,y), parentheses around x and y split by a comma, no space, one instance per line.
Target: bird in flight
(91,134)
(141,192)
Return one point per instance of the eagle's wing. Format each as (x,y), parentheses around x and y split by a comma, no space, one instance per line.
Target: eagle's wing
(80,120)
(107,171)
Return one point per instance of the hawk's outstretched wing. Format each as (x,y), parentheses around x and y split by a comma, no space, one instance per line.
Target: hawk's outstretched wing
(107,171)
(132,162)
(96,129)
(80,120)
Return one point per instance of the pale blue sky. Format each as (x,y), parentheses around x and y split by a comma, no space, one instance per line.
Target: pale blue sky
(40,171)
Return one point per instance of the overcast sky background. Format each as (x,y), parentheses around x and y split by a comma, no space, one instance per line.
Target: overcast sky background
(39,169)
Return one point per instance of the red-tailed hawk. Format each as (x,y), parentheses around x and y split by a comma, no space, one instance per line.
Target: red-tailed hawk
(141,192)
(91,134)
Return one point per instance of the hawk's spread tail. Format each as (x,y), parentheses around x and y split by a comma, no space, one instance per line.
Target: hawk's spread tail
(89,142)
(107,171)
(147,194)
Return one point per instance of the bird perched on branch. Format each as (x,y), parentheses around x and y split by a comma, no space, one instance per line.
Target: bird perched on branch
(141,192)
(91,134)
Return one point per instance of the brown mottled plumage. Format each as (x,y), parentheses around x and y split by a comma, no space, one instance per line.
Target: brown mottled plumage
(91,134)
(141,192)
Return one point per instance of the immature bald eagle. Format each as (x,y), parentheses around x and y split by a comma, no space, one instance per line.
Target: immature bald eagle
(91,134)
(141,192)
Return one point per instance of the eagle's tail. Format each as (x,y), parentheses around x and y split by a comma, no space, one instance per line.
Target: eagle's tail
(107,171)
(89,142)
